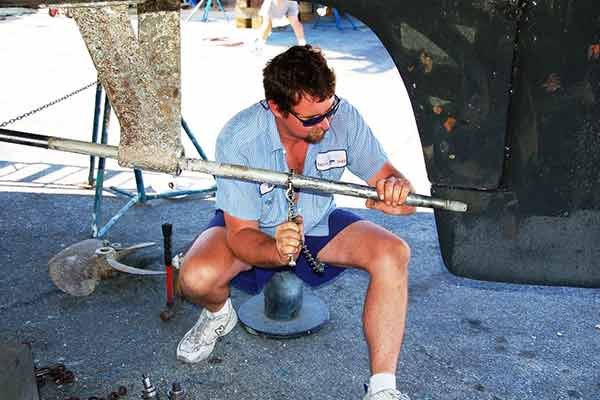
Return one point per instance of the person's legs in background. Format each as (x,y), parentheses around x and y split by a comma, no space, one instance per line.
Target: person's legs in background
(292,13)
(264,30)
(298,29)
(278,9)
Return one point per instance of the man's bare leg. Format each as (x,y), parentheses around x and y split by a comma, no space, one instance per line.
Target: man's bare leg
(208,267)
(385,257)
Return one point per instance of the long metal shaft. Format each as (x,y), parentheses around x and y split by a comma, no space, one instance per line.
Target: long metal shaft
(231,171)
(310,183)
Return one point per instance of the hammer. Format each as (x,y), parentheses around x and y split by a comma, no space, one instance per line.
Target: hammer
(169,311)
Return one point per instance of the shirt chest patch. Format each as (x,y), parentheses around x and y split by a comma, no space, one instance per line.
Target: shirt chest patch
(331,159)
(266,188)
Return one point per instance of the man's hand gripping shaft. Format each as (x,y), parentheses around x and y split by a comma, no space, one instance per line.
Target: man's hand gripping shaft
(288,240)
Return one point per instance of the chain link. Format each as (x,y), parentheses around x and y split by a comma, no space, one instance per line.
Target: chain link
(317,266)
(292,210)
(290,197)
(36,110)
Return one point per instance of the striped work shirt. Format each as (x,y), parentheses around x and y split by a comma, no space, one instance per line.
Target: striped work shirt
(251,139)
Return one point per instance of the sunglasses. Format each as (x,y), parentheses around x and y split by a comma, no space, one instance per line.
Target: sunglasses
(312,121)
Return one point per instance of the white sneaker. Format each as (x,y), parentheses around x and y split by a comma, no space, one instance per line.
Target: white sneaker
(387,394)
(199,342)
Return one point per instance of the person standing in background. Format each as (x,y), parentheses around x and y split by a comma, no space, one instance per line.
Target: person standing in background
(276,9)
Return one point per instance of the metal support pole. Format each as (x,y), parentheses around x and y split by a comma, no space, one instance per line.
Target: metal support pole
(194,10)
(338,20)
(206,9)
(139,183)
(338,23)
(116,217)
(141,196)
(96,217)
(120,191)
(221,8)
(96,123)
(190,135)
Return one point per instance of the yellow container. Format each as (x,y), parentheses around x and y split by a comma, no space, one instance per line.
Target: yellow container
(307,11)
(246,14)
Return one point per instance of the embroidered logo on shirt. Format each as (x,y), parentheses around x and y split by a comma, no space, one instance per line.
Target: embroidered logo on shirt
(266,188)
(331,159)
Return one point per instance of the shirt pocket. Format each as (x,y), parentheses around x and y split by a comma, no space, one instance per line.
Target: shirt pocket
(270,212)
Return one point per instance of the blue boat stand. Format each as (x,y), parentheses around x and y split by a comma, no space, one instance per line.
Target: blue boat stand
(140,196)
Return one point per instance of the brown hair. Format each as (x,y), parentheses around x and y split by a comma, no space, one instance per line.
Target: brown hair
(299,71)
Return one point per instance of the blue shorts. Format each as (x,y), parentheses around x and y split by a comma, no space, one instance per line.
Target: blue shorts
(254,280)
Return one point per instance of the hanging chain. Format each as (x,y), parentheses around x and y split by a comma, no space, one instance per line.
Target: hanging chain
(30,113)
(292,210)
(317,266)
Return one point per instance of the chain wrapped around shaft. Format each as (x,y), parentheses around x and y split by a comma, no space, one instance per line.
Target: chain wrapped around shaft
(317,266)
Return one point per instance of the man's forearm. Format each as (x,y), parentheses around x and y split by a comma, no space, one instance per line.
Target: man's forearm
(255,248)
